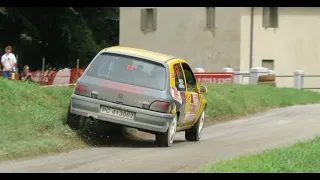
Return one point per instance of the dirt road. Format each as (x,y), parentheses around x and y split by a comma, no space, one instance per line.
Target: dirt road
(249,135)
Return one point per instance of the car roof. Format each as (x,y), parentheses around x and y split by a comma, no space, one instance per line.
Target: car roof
(150,55)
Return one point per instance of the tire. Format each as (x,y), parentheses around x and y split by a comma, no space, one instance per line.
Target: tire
(166,139)
(73,120)
(194,134)
(115,131)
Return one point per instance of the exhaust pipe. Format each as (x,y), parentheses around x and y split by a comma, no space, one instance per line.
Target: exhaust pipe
(84,120)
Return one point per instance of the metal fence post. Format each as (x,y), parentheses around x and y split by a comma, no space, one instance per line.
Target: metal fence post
(255,73)
(228,70)
(77,70)
(298,79)
(271,72)
(40,79)
(78,61)
(237,77)
(199,70)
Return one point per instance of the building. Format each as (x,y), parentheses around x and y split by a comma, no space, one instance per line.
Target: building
(284,39)
(205,37)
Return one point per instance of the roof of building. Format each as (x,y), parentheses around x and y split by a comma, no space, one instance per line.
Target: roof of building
(140,52)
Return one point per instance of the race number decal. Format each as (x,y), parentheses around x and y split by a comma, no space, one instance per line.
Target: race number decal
(176,68)
(194,99)
(175,94)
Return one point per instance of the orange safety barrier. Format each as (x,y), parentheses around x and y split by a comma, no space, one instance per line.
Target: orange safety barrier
(16,77)
(54,77)
(75,74)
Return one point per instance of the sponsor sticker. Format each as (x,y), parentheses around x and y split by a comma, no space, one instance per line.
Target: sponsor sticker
(130,67)
(175,94)
(193,108)
(194,99)
(190,116)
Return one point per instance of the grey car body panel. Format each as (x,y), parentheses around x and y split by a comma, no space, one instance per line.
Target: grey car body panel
(144,119)
(127,99)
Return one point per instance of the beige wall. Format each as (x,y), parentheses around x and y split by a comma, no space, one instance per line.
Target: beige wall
(181,32)
(294,45)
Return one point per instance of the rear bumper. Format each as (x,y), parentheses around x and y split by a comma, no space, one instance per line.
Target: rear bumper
(144,119)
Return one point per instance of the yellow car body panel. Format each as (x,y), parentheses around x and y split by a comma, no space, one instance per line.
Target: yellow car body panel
(140,52)
(190,108)
(194,108)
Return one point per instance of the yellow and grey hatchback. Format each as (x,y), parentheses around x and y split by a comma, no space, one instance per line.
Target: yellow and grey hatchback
(149,91)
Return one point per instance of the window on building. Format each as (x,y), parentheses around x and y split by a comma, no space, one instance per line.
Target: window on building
(210,17)
(149,19)
(270,17)
(268,63)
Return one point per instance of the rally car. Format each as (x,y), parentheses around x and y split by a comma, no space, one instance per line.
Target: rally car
(149,91)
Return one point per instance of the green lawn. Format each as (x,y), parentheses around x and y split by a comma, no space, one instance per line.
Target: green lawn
(230,101)
(32,120)
(300,158)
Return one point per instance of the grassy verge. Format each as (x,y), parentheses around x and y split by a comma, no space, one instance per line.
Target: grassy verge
(300,158)
(231,101)
(32,118)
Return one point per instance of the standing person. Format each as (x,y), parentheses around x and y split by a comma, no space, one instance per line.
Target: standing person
(26,75)
(8,61)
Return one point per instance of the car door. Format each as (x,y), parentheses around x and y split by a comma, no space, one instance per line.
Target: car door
(192,95)
(179,85)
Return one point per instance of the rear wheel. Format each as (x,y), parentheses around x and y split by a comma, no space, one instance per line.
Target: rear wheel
(74,121)
(115,131)
(104,128)
(194,134)
(166,139)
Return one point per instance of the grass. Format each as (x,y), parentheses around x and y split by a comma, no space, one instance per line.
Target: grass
(230,101)
(32,118)
(300,158)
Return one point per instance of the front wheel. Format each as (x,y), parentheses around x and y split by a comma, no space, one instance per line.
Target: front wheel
(194,134)
(166,139)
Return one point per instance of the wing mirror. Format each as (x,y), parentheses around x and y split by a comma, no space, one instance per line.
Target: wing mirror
(203,90)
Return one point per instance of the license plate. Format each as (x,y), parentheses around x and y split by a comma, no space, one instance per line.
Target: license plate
(116,112)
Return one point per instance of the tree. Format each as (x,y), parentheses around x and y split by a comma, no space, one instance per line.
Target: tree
(60,34)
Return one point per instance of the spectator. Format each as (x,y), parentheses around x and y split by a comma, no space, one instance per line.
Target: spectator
(26,74)
(8,61)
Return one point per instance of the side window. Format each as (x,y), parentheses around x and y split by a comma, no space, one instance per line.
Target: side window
(179,79)
(190,79)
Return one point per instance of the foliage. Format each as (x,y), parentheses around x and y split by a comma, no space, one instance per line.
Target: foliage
(60,34)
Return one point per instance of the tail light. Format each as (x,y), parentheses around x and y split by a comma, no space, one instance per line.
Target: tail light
(161,106)
(81,88)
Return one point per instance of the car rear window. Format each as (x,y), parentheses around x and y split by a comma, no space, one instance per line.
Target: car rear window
(128,70)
